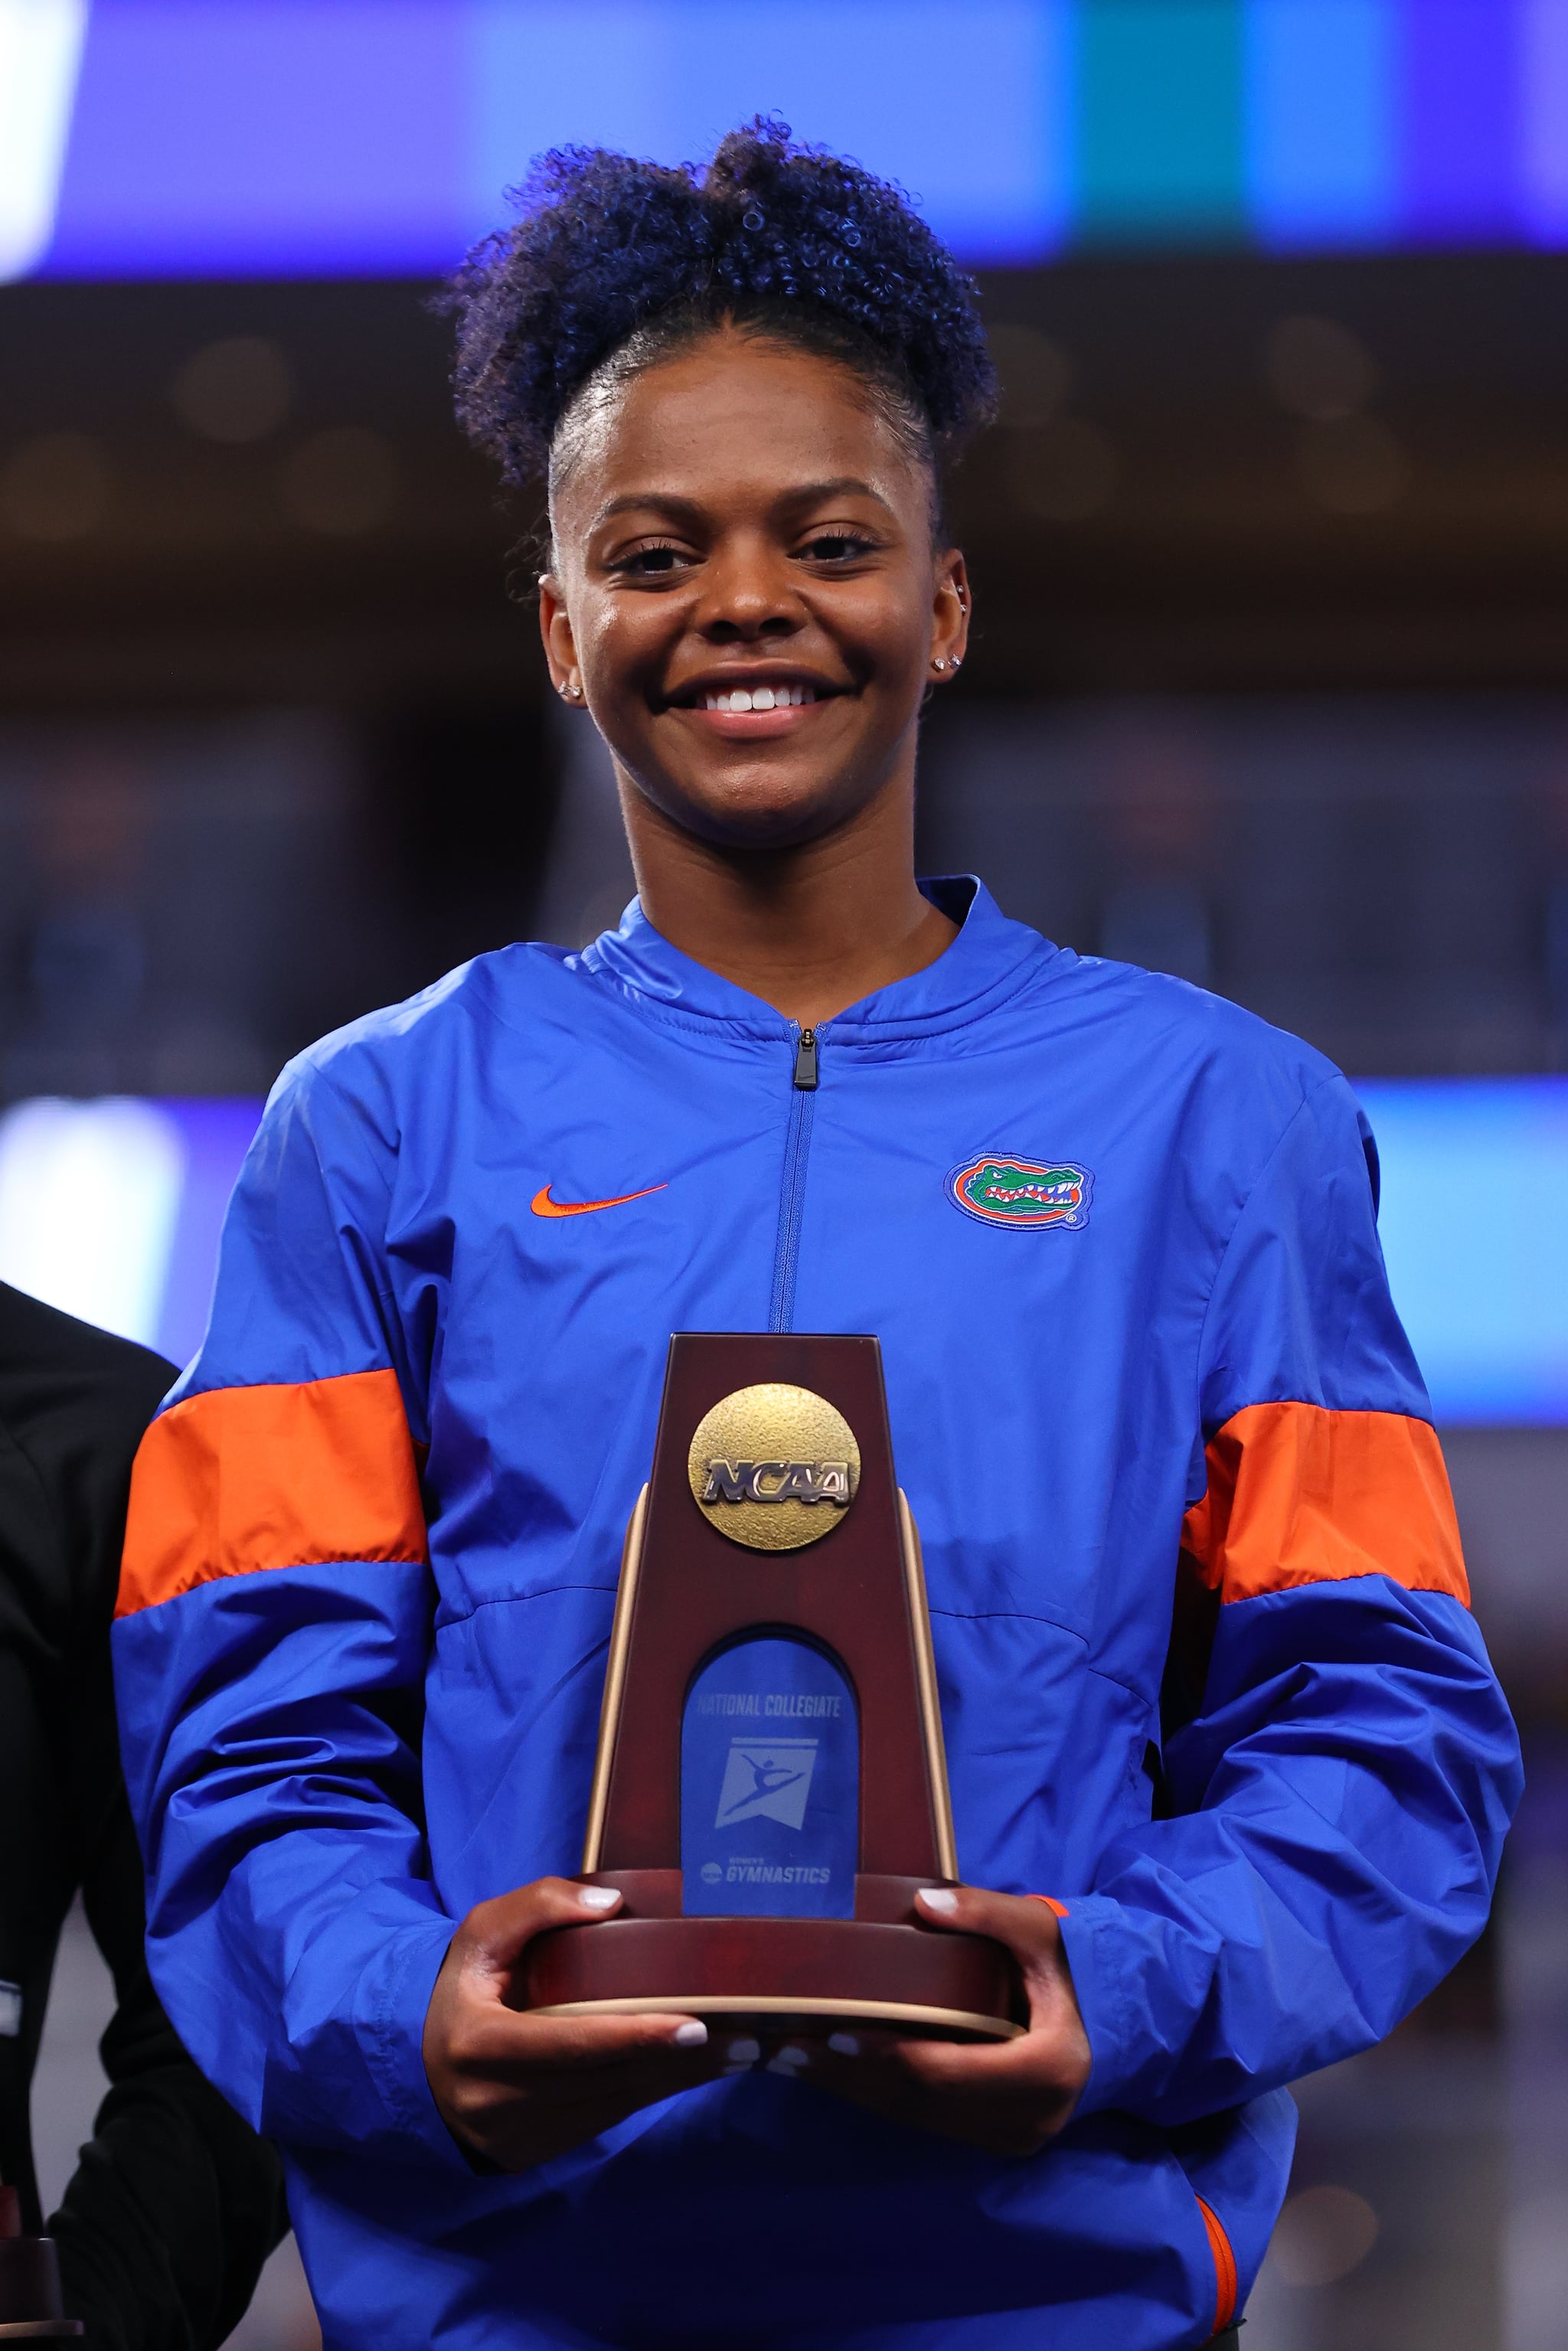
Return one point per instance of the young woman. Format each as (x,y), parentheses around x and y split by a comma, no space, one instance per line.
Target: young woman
(1118,1241)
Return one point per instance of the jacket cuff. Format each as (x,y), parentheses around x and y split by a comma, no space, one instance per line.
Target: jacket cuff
(1115,1956)
(393,2000)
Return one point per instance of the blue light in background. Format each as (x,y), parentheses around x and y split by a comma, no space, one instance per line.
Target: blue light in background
(291,137)
(111,1209)
(1323,84)
(1475,1232)
(1161,84)
(320,138)
(1544,126)
(1464,81)
(970,114)
(264,136)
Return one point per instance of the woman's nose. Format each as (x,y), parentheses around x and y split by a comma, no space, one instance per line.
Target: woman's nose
(748,592)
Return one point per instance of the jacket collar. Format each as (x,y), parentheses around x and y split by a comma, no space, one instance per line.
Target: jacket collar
(989,960)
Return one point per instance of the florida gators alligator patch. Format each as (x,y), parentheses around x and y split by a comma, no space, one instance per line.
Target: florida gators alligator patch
(1028,1192)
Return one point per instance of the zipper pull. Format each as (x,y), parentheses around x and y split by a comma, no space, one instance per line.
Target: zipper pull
(806,1063)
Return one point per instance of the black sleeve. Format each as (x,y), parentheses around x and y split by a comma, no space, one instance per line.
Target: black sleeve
(175,2202)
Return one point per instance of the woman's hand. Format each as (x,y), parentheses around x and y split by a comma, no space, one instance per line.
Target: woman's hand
(517,2088)
(1010,2096)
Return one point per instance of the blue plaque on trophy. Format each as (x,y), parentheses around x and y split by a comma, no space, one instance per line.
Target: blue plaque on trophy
(769,1784)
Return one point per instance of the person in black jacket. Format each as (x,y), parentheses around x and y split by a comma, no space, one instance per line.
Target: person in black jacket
(175,2203)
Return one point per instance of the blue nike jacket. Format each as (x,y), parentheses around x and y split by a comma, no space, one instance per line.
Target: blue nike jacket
(1160,1428)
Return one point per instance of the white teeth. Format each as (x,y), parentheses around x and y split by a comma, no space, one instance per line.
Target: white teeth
(760,697)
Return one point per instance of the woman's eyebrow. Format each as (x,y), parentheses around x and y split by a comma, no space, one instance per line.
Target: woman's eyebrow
(811,494)
(666,501)
(692,510)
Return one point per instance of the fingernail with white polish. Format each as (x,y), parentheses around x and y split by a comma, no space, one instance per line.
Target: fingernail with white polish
(845,2044)
(789,2060)
(691,2034)
(745,2052)
(598,1897)
(939,1897)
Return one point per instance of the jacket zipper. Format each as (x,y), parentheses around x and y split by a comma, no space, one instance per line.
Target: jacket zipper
(791,1198)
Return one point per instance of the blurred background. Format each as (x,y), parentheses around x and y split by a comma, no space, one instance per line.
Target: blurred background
(1269,690)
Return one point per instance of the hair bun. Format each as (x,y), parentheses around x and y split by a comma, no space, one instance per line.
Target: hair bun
(604,243)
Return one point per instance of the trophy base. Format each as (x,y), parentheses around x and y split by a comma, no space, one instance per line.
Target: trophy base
(803,1975)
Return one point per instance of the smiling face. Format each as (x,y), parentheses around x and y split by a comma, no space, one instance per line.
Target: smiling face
(746,593)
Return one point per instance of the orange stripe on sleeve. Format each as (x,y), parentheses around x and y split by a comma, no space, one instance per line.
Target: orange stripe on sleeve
(1298,1494)
(295,1476)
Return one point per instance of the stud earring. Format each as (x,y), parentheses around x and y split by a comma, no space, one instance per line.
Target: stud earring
(572,692)
(939,665)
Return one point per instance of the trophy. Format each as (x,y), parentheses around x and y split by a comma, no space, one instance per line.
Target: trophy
(30,2301)
(770,1790)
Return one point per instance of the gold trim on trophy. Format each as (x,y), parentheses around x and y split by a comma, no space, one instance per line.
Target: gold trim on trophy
(750,2004)
(930,1699)
(614,1681)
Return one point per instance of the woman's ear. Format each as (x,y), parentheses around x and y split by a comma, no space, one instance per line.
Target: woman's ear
(950,608)
(560,647)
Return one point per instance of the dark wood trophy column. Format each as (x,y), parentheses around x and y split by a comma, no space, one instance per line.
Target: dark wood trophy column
(770,1791)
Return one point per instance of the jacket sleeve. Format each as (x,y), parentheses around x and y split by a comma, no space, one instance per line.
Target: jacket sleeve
(1341,1791)
(275,1621)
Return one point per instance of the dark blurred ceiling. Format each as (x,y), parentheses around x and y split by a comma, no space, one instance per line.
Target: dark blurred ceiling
(1313,473)
(1211,474)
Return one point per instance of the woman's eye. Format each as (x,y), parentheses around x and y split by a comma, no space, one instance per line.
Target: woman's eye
(835,547)
(643,563)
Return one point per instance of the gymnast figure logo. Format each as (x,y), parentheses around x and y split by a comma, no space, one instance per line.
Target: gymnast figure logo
(767,1779)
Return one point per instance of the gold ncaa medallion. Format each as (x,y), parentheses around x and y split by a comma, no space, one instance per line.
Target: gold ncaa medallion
(774,1467)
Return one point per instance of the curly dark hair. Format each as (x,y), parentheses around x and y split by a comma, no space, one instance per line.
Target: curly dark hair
(613,264)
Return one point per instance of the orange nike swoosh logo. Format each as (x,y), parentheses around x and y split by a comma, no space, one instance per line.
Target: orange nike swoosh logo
(543,1205)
